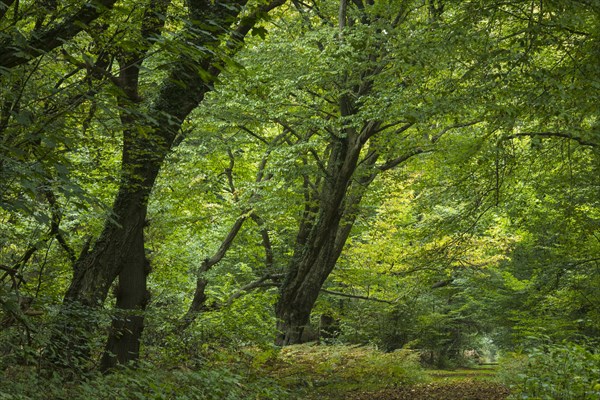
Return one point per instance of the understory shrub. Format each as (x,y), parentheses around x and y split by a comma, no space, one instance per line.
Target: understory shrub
(559,371)
(144,382)
(313,365)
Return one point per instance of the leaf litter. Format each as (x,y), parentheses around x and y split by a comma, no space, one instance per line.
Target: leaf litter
(450,390)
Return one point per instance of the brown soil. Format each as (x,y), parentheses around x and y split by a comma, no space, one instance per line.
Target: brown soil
(458,390)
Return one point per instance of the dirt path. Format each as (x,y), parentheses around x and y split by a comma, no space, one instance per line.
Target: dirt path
(451,390)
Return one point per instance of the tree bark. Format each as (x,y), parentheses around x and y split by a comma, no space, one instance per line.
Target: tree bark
(132,296)
(119,251)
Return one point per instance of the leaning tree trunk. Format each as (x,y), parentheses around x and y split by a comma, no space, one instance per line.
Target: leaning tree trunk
(321,234)
(315,254)
(95,270)
(301,290)
(119,250)
(324,228)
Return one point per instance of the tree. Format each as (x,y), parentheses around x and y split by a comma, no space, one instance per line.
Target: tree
(47,34)
(119,251)
(348,118)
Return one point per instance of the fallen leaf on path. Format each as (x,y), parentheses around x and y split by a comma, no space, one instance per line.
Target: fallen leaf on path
(462,390)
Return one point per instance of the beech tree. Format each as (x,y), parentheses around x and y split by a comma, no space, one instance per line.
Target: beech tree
(348,124)
(119,251)
(376,85)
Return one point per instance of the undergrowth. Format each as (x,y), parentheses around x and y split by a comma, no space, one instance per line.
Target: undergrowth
(329,371)
(295,372)
(210,382)
(565,371)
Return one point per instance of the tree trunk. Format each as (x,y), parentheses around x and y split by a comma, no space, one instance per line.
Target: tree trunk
(300,291)
(325,228)
(316,255)
(118,252)
(197,305)
(293,311)
(95,270)
(132,297)
(329,327)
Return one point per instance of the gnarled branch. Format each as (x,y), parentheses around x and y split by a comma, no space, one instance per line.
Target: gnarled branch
(44,40)
(356,296)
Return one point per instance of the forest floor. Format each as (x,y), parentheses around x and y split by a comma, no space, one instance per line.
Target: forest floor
(467,389)
(460,384)
(457,384)
(345,373)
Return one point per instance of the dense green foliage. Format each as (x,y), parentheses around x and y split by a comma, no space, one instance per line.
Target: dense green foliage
(185,182)
(556,371)
(145,383)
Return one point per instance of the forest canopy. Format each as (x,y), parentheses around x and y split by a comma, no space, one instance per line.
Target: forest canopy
(183,179)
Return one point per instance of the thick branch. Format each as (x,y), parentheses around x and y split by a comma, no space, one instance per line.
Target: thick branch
(372,128)
(261,282)
(266,241)
(229,174)
(443,283)
(225,245)
(419,150)
(342,14)
(13,273)
(249,21)
(355,296)
(4,6)
(563,135)
(404,157)
(437,137)
(253,134)
(43,41)
(55,224)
